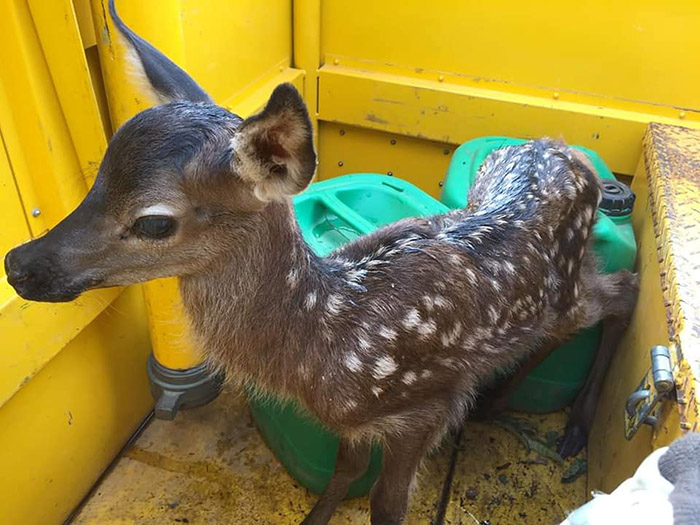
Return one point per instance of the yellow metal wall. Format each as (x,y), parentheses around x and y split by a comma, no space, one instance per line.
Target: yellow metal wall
(73,383)
(594,73)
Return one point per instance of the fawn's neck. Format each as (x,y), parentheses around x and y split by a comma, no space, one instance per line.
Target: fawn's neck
(250,310)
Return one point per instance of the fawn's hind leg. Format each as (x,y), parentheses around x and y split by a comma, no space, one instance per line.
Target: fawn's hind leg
(614,296)
(496,400)
(351,463)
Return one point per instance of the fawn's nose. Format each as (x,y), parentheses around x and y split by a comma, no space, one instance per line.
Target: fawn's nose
(15,271)
(27,269)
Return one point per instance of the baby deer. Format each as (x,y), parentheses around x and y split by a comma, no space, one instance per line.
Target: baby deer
(386,340)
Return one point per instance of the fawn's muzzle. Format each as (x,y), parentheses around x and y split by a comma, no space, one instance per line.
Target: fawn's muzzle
(37,275)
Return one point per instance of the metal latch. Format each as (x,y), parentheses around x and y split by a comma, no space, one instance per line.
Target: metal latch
(643,405)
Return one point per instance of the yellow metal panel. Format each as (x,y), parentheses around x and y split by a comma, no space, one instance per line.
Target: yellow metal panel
(667,224)
(84,17)
(348,149)
(44,162)
(15,229)
(253,98)
(307,52)
(66,424)
(230,46)
(34,333)
(57,28)
(620,52)
(611,458)
(454,113)
(672,155)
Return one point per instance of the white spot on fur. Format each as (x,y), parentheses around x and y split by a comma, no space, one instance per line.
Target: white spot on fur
(334,303)
(409,378)
(570,266)
(363,343)
(427,328)
(388,333)
(292,277)
(570,234)
(441,302)
(451,337)
(429,303)
(493,315)
(352,362)
(376,391)
(425,374)
(356,275)
(412,319)
(383,367)
(310,301)
(471,276)
(448,362)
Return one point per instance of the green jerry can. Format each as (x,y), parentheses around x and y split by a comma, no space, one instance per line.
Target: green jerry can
(336,211)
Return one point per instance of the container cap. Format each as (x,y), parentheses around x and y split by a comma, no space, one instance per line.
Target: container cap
(618,199)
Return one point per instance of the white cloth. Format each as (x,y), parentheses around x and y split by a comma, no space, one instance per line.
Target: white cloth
(639,500)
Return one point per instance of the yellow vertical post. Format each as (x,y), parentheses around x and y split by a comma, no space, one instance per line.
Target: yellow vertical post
(159,23)
(307,52)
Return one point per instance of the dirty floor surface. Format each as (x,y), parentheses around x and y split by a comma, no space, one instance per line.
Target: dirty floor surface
(211,466)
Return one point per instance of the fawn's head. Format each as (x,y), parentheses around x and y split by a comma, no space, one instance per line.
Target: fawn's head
(172,178)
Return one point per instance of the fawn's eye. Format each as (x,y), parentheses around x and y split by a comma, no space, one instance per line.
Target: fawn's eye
(154,226)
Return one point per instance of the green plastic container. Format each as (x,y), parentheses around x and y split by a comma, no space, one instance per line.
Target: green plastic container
(331,213)
(557,380)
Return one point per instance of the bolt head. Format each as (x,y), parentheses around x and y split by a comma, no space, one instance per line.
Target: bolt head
(390,173)
(342,132)
(36,212)
(393,142)
(340,163)
(441,184)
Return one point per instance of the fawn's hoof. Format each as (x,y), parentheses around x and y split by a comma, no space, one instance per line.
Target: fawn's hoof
(573,441)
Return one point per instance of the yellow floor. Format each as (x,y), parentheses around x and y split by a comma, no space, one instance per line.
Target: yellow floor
(210,465)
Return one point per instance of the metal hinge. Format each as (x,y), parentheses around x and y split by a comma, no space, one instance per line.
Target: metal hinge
(644,404)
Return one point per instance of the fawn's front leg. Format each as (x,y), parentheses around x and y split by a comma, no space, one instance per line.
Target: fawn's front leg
(402,456)
(351,463)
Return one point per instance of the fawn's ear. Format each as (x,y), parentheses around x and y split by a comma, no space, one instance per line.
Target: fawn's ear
(274,149)
(166,80)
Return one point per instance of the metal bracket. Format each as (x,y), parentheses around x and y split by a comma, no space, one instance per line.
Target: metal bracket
(644,404)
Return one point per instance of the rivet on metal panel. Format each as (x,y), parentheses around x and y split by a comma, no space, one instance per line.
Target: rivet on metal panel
(441,183)
(336,61)
(340,163)
(441,78)
(342,132)
(681,114)
(555,95)
(36,212)
(393,142)
(390,173)
(446,151)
